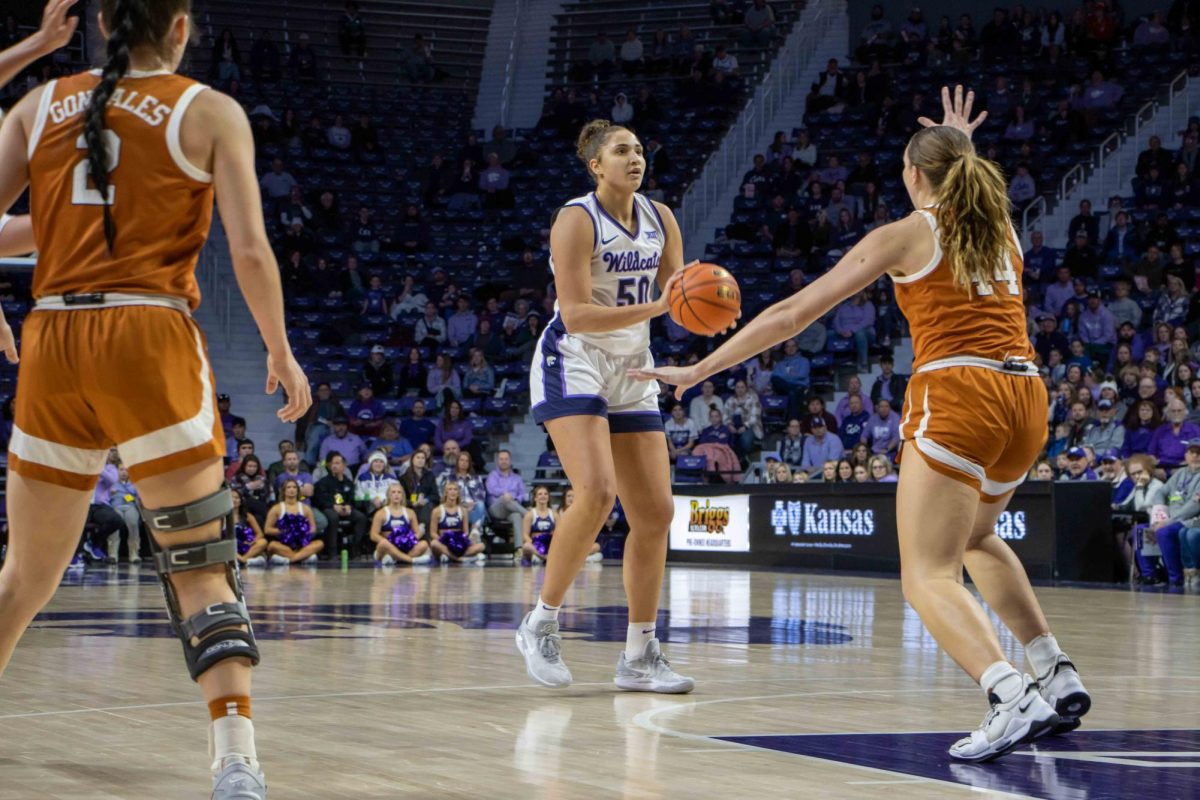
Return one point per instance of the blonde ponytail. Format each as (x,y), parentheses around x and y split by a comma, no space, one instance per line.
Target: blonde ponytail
(973,206)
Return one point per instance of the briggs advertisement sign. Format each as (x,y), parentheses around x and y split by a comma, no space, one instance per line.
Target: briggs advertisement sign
(711,524)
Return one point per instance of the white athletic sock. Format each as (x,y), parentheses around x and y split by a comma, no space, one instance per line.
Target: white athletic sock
(543,612)
(1002,680)
(637,636)
(1042,653)
(232,737)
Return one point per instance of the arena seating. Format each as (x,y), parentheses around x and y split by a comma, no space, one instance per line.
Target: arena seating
(457,31)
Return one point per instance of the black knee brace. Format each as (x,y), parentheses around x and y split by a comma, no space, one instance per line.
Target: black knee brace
(217,628)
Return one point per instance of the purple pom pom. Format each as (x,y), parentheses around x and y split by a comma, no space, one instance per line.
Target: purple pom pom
(294,531)
(456,542)
(245,537)
(541,543)
(403,537)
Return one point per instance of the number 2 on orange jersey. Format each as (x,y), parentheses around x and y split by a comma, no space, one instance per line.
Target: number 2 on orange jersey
(81,193)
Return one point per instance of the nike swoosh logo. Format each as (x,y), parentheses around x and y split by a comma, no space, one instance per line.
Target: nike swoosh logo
(609,239)
(650,630)
(1026,706)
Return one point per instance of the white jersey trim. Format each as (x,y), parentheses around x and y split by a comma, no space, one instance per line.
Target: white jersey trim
(174,146)
(56,456)
(937,252)
(39,121)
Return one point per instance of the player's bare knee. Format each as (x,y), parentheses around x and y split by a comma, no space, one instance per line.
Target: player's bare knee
(595,502)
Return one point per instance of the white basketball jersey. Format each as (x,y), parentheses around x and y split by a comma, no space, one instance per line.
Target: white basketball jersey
(624,265)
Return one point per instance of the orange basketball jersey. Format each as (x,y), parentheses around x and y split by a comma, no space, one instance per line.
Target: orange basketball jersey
(946,321)
(161,204)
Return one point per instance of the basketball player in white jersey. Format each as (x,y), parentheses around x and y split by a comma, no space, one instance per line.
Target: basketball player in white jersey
(609,250)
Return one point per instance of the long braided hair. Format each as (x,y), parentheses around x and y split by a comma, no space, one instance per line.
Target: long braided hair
(131,24)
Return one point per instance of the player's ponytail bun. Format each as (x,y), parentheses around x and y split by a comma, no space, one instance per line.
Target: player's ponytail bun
(131,24)
(591,141)
(973,206)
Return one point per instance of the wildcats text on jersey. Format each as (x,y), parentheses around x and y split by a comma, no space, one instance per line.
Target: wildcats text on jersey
(630,261)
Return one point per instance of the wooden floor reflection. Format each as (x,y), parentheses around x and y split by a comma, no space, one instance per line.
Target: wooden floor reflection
(405,683)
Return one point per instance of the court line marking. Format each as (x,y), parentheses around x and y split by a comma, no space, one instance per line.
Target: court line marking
(645,720)
(688,705)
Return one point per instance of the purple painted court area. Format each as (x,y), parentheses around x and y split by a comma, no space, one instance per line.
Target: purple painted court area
(1084,765)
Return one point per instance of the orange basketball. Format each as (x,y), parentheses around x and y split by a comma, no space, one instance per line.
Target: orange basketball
(706,300)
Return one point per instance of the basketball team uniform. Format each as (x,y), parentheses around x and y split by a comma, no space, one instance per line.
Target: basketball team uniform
(975,408)
(399,531)
(585,373)
(541,530)
(450,532)
(110,354)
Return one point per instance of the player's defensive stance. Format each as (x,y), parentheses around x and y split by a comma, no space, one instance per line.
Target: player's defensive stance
(974,420)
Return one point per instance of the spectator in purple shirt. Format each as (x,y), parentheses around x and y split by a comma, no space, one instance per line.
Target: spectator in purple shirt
(342,441)
(292,470)
(418,429)
(455,425)
(853,387)
(1097,329)
(1059,292)
(1099,93)
(855,319)
(462,324)
(1169,442)
(854,423)
(820,446)
(882,431)
(106,520)
(366,412)
(506,492)
(1039,260)
(443,378)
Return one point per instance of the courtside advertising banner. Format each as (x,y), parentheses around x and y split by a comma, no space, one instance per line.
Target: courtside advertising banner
(719,524)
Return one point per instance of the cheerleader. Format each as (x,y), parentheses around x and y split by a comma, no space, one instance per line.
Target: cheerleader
(454,541)
(396,532)
(251,543)
(290,526)
(539,527)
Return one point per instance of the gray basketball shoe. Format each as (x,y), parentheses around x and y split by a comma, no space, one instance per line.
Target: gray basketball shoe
(542,649)
(651,673)
(237,781)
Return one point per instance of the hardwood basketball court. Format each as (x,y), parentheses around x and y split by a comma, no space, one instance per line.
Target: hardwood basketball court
(406,683)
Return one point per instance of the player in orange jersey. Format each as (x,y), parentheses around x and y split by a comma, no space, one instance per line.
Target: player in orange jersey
(975,420)
(122,166)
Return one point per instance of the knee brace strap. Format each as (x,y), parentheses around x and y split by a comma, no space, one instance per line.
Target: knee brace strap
(192,515)
(217,628)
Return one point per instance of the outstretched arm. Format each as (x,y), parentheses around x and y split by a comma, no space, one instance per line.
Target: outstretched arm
(55,31)
(898,246)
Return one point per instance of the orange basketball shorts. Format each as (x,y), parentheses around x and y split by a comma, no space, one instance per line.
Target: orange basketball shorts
(136,377)
(979,426)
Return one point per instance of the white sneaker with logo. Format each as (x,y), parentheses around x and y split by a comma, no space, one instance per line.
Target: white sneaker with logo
(238,781)
(651,673)
(1007,726)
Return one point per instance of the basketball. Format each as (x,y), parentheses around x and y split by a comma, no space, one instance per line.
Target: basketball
(706,300)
